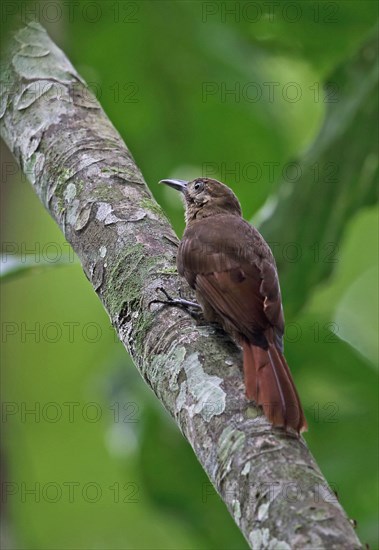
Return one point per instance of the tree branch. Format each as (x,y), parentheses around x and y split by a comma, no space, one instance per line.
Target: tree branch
(88,181)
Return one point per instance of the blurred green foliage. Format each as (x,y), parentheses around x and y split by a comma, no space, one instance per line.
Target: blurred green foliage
(229,89)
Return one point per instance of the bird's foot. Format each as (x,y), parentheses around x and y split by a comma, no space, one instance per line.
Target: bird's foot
(193,308)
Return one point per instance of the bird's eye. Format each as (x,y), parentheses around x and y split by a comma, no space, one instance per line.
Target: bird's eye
(199,186)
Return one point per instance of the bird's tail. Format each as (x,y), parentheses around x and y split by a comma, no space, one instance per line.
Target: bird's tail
(269,383)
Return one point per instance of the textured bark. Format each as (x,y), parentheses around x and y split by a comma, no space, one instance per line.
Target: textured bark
(88,181)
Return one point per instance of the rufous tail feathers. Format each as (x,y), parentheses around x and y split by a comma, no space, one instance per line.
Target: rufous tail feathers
(269,383)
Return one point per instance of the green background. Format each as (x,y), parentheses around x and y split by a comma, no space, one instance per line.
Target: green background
(274,100)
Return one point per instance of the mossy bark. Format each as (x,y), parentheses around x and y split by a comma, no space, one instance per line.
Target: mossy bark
(88,181)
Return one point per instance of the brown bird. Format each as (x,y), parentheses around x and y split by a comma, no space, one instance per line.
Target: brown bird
(233,272)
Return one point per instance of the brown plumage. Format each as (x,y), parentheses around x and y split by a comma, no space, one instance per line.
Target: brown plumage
(232,269)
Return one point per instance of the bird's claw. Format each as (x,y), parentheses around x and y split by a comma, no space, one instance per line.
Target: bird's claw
(168,300)
(174,302)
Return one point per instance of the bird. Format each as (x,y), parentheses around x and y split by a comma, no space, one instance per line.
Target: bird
(232,270)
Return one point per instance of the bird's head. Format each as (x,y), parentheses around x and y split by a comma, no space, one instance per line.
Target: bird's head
(205,197)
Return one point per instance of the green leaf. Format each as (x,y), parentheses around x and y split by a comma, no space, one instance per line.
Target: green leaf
(337,177)
(16,266)
(356,315)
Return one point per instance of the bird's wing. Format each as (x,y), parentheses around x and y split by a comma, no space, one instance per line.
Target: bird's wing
(235,273)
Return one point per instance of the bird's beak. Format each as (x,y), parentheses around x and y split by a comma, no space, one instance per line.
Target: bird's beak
(179,185)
